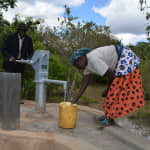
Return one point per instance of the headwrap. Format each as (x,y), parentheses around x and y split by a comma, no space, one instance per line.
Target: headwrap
(78,53)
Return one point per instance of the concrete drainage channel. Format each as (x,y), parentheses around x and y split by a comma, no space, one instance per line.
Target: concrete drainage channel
(40,131)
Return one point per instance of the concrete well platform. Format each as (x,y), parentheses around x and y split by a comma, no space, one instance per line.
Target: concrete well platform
(41,132)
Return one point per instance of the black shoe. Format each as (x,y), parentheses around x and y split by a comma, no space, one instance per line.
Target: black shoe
(21,102)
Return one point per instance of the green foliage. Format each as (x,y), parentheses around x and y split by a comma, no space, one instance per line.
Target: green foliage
(142,50)
(29,85)
(68,37)
(144,7)
(88,101)
(145,70)
(4,4)
(148,31)
(99,79)
(58,70)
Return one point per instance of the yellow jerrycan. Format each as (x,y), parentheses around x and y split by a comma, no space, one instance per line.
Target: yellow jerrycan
(67,115)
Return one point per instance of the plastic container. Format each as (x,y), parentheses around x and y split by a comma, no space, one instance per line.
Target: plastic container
(67,115)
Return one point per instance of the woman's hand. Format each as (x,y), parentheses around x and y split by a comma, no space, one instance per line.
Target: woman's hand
(84,85)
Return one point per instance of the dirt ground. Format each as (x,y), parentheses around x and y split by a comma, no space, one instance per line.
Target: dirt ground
(92,96)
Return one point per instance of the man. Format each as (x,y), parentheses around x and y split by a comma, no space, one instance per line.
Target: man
(17,46)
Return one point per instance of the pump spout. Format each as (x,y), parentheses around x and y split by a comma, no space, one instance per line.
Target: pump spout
(64,83)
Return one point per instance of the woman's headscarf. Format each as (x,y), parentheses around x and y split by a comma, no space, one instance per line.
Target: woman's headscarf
(78,53)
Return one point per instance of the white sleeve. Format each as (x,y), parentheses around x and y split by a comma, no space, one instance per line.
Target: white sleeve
(97,66)
(86,71)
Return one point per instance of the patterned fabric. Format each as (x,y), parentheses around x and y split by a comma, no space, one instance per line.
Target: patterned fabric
(127,63)
(78,53)
(124,96)
(119,50)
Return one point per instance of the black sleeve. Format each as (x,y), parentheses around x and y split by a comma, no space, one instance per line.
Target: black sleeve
(30,50)
(5,48)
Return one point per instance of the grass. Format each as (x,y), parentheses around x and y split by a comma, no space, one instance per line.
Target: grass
(87,101)
(92,96)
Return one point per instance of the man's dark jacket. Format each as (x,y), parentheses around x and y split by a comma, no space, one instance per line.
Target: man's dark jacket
(11,47)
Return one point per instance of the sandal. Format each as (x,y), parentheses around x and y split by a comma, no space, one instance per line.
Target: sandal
(107,122)
(101,118)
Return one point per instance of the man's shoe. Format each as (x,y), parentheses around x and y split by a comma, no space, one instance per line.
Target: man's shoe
(21,102)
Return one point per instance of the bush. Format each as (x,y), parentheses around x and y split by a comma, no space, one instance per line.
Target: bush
(57,71)
(29,85)
(145,71)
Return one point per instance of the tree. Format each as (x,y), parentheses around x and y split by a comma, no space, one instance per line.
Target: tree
(4,4)
(145,7)
(71,35)
(142,50)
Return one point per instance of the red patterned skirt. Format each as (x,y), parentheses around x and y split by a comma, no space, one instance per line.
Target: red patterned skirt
(125,95)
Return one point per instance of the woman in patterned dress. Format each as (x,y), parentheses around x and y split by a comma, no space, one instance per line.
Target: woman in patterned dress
(124,93)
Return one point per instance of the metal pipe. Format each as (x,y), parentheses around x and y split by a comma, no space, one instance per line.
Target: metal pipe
(64,83)
(39,62)
(24,61)
(40,97)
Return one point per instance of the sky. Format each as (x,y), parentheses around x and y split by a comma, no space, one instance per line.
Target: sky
(124,17)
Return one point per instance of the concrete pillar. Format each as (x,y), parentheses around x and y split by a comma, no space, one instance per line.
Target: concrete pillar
(10,93)
(40,97)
